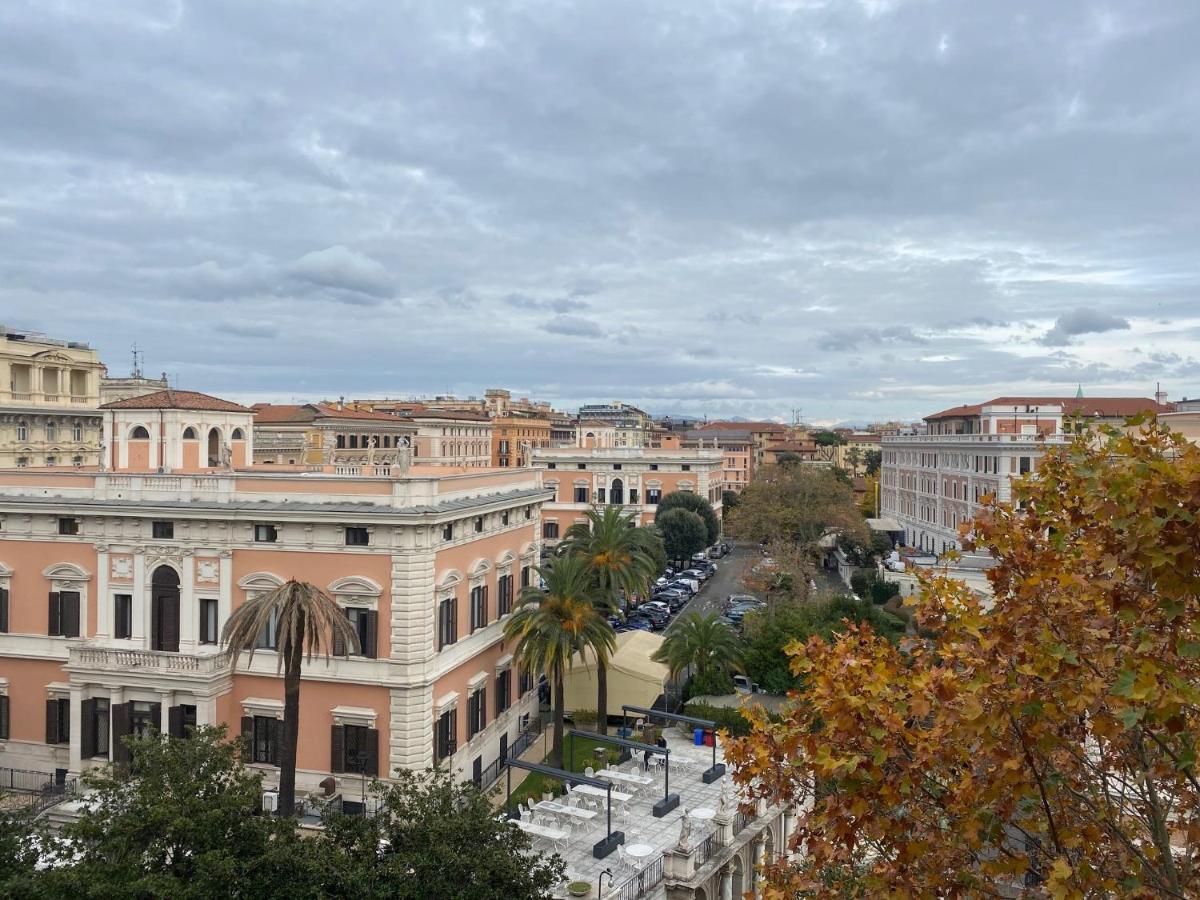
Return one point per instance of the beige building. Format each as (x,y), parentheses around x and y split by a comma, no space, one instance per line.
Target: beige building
(49,401)
(445,437)
(315,434)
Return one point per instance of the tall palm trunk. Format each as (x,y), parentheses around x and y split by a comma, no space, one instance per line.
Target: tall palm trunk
(601,697)
(556,745)
(291,728)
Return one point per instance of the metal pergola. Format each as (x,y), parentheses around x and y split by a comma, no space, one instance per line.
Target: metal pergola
(669,800)
(602,848)
(710,775)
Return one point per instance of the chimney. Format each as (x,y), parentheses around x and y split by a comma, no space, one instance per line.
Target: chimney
(341,402)
(1160,396)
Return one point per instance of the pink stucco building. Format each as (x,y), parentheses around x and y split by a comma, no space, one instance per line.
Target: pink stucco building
(115,584)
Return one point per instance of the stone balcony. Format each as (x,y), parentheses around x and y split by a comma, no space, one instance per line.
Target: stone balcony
(91,658)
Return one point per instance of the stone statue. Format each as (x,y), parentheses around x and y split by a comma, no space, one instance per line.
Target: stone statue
(404,457)
(103,455)
(371,445)
(685,829)
(226,456)
(723,803)
(526,454)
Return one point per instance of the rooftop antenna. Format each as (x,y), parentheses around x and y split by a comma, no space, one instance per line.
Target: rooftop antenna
(139,356)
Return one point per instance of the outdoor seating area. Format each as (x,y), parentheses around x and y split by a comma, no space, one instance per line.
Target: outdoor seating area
(573,823)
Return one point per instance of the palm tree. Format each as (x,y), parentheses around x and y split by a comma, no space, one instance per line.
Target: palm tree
(621,559)
(702,642)
(307,622)
(551,625)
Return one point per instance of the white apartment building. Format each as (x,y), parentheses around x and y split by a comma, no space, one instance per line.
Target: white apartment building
(932,483)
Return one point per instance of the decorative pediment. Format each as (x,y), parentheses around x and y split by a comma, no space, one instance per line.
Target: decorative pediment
(356,585)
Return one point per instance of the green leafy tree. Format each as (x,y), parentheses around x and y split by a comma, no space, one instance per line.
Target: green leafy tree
(307,622)
(440,838)
(621,559)
(550,626)
(827,443)
(768,634)
(22,838)
(729,501)
(683,533)
(697,504)
(705,645)
(873,460)
(798,504)
(183,826)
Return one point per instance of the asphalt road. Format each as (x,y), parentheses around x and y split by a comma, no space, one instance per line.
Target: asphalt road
(728,580)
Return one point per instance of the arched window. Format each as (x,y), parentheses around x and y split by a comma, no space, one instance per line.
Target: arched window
(238,435)
(139,433)
(22,431)
(214,447)
(616,492)
(164,610)
(189,433)
(77,432)
(51,430)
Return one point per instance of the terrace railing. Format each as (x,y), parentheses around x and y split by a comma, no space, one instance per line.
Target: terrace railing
(644,882)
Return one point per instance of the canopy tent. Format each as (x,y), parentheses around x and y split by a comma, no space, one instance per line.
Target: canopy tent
(633,677)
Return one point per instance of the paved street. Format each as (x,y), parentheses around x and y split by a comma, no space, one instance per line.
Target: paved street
(728,580)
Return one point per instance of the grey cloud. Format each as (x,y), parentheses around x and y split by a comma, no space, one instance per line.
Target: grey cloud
(1081,321)
(247,329)
(345,269)
(802,186)
(574,326)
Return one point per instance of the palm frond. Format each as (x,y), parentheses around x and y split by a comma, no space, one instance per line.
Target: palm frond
(307,620)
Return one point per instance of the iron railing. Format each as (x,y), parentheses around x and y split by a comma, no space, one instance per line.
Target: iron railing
(530,733)
(705,850)
(644,882)
(740,821)
(36,791)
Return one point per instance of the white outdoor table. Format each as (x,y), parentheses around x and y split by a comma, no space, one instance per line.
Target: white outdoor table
(631,778)
(553,834)
(703,814)
(600,792)
(564,810)
(638,851)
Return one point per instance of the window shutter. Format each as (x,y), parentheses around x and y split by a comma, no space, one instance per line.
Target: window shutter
(337,749)
(175,721)
(276,740)
(453,619)
(371,752)
(484,613)
(121,729)
(70,613)
(54,626)
(155,620)
(51,721)
(247,738)
(371,650)
(4,609)
(339,642)
(3,717)
(482,709)
(156,716)
(170,623)
(87,730)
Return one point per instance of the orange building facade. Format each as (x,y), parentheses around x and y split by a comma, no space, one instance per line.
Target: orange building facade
(515,436)
(115,585)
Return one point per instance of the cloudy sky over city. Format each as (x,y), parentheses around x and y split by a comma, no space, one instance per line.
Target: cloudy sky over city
(859,210)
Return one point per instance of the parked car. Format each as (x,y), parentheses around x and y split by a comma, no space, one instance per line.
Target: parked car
(658,617)
(637,623)
(744,685)
(697,574)
(677,603)
(672,597)
(715,552)
(688,587)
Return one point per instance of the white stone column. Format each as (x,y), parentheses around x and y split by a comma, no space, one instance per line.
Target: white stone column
(76,729)
(141,594)
(103,605)
(727,883)
(760,854)
(225,598)
(188,615)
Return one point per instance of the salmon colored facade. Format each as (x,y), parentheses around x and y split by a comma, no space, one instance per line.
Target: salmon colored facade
(633,478)
(115,585)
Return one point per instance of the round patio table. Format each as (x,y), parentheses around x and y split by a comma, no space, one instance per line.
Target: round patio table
(639,851)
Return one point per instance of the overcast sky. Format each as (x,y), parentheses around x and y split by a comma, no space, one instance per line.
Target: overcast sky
(861,210)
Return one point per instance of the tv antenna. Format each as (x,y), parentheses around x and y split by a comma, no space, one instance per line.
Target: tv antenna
(139,357)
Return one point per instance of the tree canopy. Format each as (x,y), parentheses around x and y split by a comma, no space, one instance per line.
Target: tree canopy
(698,505)
(797,503)
(1046,739)
(682,531)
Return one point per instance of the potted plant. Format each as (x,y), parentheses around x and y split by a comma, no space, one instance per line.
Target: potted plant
(579,888)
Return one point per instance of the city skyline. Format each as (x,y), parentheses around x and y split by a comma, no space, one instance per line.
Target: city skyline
(864,211)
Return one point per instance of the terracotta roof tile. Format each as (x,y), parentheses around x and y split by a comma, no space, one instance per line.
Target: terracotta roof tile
(173,399)
(1086,406)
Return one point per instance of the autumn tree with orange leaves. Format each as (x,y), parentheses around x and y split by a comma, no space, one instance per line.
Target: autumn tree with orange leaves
(1043,746)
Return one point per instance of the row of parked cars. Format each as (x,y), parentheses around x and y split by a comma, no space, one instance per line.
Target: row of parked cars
(670,594)
(737,605)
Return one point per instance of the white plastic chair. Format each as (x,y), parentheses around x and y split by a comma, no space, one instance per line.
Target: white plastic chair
(589,772)
(560,844)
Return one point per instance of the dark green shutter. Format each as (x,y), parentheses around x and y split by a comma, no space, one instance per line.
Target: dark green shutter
(370,649)
(247,738)
(121,728)
(337,749)
(54,615)
(156,716)
(70,613)
(170,623)
(51,721)
(87,729)
(3,717)
(4,609)
(175,721)
(339,642)
(276,740)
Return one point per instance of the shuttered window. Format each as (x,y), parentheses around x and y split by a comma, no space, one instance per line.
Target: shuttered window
(4,610)
(58,721)
(354,748)
(63,614)
(503,691)
(208,620)
(4,717)
(447,622)
(264,737)
(445,737)
(504,588)
(122,616)
(365,623)
(479,607)
(181,720)
(94,727)
(476,712)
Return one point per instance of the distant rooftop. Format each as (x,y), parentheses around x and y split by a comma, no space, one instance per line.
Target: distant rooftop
(173,399)
(1072,406)
(36,337)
